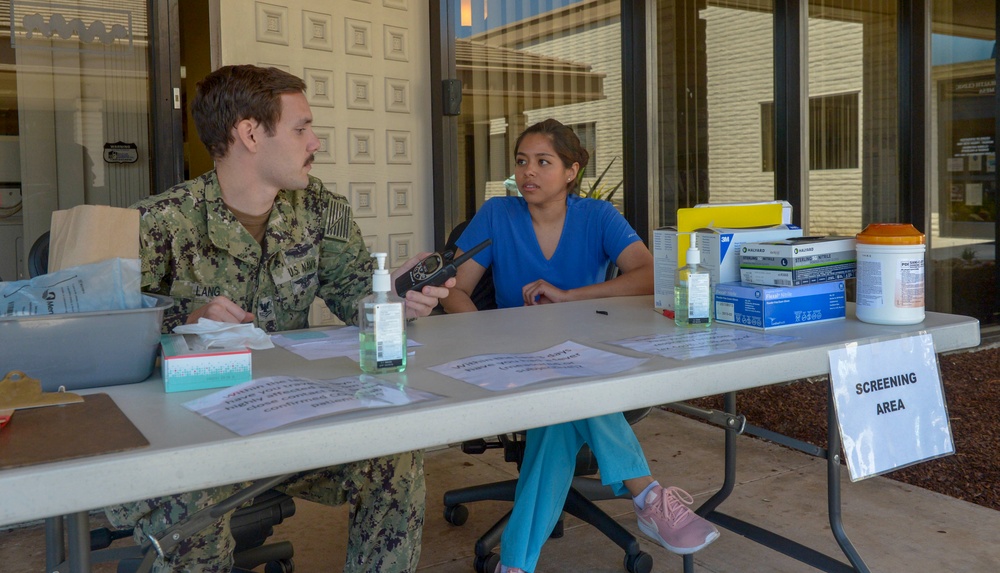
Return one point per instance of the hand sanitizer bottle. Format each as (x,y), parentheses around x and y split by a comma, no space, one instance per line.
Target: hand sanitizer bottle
(693,290)
(382,320)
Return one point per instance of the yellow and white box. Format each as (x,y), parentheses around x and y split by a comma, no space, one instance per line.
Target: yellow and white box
(185,368)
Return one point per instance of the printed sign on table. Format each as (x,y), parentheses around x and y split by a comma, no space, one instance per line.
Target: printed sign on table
(498,372)
(890,405)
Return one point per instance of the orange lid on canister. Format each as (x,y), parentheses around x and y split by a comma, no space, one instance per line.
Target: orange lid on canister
(890,234)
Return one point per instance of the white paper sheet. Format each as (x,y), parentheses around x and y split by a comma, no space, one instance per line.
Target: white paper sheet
(686,344)
(503,371)
(329,343)
(276,401)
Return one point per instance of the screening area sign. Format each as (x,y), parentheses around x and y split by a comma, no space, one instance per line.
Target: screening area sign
(890,405)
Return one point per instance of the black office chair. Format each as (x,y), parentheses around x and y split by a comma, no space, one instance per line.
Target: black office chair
(582,494)
(38,256)
(250,526)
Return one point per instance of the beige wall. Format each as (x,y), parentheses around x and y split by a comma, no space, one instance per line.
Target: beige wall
(367,71)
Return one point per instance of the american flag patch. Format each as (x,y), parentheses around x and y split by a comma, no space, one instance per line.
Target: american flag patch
(338,220)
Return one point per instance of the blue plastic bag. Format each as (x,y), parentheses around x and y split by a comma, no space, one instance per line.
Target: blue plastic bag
(112,284)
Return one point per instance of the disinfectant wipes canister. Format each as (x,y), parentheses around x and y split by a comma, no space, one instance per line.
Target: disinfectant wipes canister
(890,274)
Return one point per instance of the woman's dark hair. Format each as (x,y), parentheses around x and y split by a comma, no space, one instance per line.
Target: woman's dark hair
(231,94)
(564,141)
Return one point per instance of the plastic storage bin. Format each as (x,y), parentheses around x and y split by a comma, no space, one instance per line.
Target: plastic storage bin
(85,349)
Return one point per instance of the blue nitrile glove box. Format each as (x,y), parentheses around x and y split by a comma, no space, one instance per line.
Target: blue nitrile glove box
(187,369)
(764,307)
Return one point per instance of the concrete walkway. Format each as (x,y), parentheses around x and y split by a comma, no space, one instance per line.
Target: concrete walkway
(895,527)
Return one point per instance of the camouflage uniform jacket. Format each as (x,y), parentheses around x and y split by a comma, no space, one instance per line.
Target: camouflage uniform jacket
(193,249)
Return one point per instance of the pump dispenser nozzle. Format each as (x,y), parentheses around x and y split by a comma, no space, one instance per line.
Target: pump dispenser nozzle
(693,254)
(380,278)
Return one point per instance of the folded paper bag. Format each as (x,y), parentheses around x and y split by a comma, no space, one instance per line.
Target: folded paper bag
(90,233)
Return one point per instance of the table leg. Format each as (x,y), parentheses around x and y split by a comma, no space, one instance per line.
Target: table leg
(78,533)
(833,486)
(55,538)
(729,480)
(734,426)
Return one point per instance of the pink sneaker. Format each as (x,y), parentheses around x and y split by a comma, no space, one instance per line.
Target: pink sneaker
(509,570)
(667,520)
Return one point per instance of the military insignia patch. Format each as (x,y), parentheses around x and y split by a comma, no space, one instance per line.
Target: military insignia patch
(265,309)
(338,221)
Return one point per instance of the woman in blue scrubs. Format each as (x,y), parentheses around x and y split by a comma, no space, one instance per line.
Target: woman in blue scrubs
(551,245)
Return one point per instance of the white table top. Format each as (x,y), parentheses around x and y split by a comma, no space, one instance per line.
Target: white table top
(188,452)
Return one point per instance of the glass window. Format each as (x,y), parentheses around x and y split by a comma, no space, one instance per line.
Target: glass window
(962,242)
(523,62)
(833,132)
(714,70)
(853,140)
(74,122)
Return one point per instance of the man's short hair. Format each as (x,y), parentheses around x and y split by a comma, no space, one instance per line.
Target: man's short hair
(231,94)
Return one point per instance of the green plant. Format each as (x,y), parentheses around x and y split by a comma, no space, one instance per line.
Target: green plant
(597,189)
(968,254)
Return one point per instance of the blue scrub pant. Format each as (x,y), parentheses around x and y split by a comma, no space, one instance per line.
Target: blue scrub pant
(547,473)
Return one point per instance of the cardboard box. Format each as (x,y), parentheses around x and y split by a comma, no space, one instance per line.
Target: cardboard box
(664,268)
(719,255)
(764,307)
(187,369)
(798,261)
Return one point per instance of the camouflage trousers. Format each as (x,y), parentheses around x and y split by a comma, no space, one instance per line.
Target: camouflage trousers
(386,497)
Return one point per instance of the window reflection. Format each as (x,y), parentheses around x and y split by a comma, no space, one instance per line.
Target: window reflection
(522,62)
(74,122)
(964,180)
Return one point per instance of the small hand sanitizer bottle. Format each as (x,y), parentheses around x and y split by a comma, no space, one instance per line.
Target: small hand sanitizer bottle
(693,290)
(382,323)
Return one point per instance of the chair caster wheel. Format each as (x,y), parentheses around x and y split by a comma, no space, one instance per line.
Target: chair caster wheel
(456,515)
(639,563)
(486,563)
(280,566)
(558,530)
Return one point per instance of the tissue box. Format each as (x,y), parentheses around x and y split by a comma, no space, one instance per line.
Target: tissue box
(187,369)
(798,261)
(720,255)
(764,307)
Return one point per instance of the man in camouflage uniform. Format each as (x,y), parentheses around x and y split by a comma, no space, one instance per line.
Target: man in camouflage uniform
(256,240)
